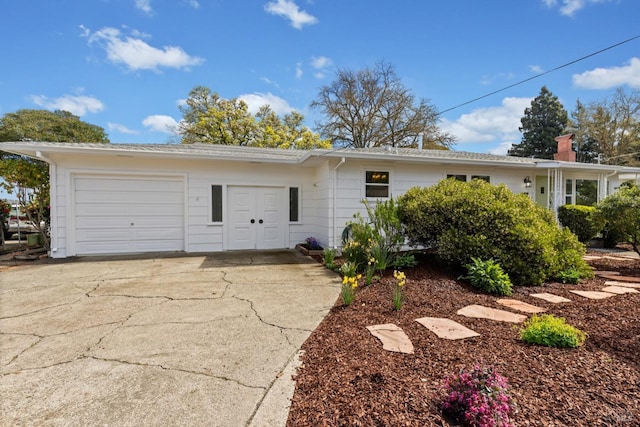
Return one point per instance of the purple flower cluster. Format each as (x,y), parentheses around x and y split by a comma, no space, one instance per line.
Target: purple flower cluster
(312,243)
(477,398)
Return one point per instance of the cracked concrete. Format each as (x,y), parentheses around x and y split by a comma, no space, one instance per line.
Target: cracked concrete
(168,340)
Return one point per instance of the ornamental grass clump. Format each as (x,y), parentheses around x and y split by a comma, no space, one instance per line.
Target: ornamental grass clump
(551,331)
(478,398)
(398,289)
(349,285)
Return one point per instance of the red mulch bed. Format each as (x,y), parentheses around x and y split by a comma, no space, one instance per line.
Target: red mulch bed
(347,379)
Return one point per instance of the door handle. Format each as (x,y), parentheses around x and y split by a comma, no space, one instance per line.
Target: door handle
(261,221)
(253,221)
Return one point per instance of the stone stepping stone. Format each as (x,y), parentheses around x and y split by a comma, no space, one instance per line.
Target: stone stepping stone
(593,294)
(520,305)
(591,257)
(447,328)
(625,284)
(392,337)
(605,273)
(619,290)
(482,312)
(556,299)
(633,279)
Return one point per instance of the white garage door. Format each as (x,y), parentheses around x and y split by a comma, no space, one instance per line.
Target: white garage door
(128,214)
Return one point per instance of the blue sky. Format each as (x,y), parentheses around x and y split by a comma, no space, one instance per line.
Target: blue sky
(126,65)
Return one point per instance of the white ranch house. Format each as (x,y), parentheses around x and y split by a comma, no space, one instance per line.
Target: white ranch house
(134,198)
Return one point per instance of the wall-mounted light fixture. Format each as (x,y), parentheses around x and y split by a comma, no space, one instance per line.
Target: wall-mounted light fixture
(527,181)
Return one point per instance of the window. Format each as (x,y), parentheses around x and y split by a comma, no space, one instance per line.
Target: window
(294,204)
(568,191)
(485,178)
(462,178)
(586,192)
(377,184)
(216,203)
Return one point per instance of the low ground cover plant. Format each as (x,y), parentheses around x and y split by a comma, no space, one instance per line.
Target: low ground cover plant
(478,397)
(551,331)
(488,276)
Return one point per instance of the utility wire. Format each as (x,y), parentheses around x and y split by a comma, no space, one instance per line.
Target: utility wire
(538,75)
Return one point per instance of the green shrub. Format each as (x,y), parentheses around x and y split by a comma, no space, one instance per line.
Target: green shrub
(329,257)
(551,331)
(570,275)
(488,276)
(466,220)
(581,220)
(621,211)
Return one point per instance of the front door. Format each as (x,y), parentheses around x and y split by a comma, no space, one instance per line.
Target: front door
(256,217)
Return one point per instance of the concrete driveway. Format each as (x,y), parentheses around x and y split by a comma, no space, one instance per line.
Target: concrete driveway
(169,340)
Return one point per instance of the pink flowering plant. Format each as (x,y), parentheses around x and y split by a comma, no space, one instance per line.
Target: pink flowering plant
(477,398)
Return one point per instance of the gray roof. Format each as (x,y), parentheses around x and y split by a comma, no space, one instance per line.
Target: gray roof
(293,156)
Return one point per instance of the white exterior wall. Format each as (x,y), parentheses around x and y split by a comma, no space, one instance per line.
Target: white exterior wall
(201,235)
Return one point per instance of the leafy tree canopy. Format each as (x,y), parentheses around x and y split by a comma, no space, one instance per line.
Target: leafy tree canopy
(210,119)
(30,175)
(372,108)
(543,121)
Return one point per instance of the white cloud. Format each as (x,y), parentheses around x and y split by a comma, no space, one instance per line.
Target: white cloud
(290,10)
(160,123)
(321,65)
(193,3)
(536,69)
(268,81)
(256,100)
(136,54)
(491,124)
(502,149)
(145,6)
(299,70)
(606,78)
(78,105)
(116,127)
(570,7)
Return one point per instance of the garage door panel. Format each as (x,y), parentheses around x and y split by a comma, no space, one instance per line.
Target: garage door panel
(126,196)
(126,214)
(103,184)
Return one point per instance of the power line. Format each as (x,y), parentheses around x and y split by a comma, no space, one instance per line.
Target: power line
(538,75)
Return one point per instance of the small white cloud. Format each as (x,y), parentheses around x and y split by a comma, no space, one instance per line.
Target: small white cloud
(256,100)
(269,81)
(570,7)
(299,70)
(488,80)
(536,69)
(321,65)
(78,105)
(489,124)
(136,54)
(181,102)
(145,6)
(288,9)
(502,149)
(160,123)
(193,3)
(606,78)
(116,127)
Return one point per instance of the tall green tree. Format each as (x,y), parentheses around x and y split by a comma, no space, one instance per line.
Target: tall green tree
(372,108)
(210,119)
(614,124)
(585,145)
(542,122)
(26,178)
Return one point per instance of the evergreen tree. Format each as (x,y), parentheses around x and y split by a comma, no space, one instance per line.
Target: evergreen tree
(542,123)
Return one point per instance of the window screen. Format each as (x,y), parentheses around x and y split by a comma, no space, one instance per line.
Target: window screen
(294,204)
(377,184)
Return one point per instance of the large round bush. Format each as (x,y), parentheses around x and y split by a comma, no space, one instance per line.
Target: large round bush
(466,220)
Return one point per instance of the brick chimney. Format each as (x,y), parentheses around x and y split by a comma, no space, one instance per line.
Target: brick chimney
(565,153)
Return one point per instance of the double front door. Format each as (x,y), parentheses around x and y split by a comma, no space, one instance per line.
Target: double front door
(256,217)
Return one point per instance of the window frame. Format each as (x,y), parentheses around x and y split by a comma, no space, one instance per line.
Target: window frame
(223,202)
(367,184)
(298,220)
